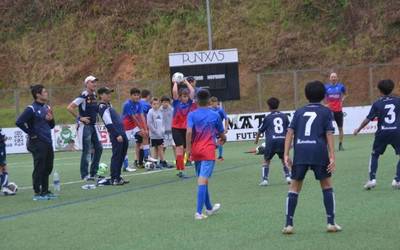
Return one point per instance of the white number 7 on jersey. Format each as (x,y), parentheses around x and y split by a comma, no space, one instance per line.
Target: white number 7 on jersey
(312,116)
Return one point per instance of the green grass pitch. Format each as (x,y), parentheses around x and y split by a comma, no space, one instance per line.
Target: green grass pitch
(155,211)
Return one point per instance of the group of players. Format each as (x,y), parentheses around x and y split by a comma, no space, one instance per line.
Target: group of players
(310,133)
(197,129)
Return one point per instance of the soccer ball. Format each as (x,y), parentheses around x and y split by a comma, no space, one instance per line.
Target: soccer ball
(102,169)
(260,149)
(178,77)
(13,187)
(149,165)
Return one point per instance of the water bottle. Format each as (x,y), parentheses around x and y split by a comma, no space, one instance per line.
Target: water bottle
(56,182)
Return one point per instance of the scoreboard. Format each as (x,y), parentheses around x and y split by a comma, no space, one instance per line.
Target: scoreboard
(216,70)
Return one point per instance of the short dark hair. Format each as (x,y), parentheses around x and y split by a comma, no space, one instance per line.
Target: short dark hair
(145,93)
(273,103)
(165,99)
(315,91)
(135,91)
(386,86)
(36,89)
(155,99)
(203,96)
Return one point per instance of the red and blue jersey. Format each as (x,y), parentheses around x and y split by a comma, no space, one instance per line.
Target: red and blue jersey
(129,109)
(204,123)
(334,95)
(145,107)
(181,111)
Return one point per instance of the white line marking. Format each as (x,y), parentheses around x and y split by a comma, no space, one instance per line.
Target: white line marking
(127,175)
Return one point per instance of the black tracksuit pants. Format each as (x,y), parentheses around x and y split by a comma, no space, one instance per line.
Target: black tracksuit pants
(43,158)
(119,150)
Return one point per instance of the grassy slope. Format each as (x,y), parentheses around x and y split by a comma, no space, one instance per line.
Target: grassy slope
(155,211)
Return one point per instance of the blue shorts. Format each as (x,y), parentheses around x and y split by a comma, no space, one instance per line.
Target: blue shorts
(204,168)
(3,161)
(383,140)
(299,172)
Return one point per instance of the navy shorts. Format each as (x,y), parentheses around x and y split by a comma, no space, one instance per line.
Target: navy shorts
(299,172)
(3,161)
(338,116)
(179,136)
(157,142)
(383,140)
(272,148)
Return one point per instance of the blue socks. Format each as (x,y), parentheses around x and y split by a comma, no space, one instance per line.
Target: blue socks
(3,179)
(397,178)
(373,166)
(329,202)
(146,151)
(291,203)
(126,162)
(201,197)
(286,171)
(207,201)
(265,171)
(220,151)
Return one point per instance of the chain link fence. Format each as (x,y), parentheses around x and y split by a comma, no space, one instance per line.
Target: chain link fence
(288,86)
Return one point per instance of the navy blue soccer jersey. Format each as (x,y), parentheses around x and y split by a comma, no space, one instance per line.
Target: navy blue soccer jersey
(387,110)
(310,124)
(274,126)
(87,104)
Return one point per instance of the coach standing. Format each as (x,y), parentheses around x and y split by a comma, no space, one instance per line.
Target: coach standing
(37,121)
(335,95)
(87,131)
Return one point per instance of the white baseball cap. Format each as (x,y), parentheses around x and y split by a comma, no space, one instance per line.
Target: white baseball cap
(90,78)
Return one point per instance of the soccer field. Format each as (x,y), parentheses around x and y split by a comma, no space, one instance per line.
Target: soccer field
(155,211)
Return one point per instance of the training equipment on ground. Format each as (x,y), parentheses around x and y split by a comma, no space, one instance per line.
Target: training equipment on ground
(102,169)
(88,186)
(178,77)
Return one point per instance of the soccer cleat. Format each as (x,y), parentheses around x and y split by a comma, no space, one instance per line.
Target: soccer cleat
(49,195)
(38,197)
(396,184)
(370,184)
(198,216)
(214,209)
(288,230)
(264,183)
(220,158)
(6,191)
(288,180)
(89,178)
(130,169)
(341,148)
(151,159)
(333,228)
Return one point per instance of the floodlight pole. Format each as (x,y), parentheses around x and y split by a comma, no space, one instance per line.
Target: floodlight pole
(209,25)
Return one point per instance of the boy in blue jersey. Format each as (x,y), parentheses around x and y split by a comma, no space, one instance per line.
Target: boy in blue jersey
(203,125)
(312,130)
(275,127)
(116,131)
(221,112)
(387,110)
